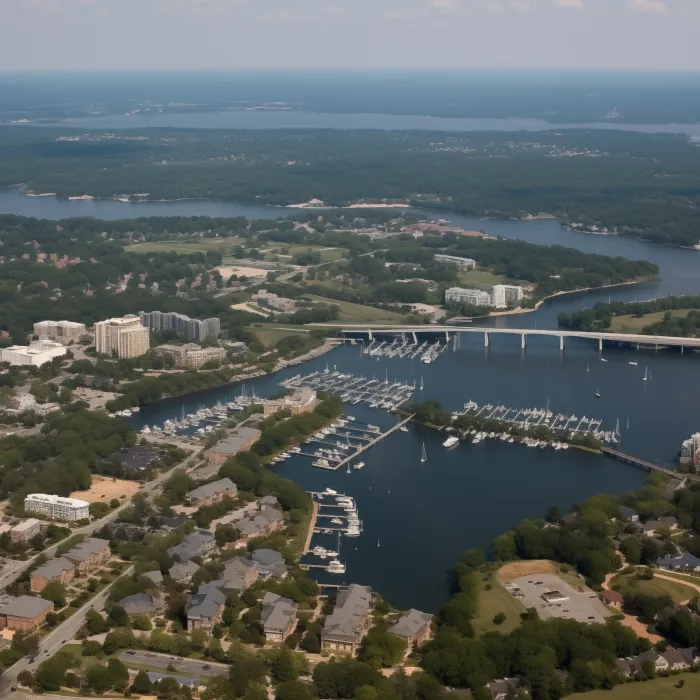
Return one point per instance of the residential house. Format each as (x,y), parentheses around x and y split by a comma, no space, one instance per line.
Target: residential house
(89,554)
(612,598)
(239,574)
(168,523)
(349,621)
(204,609)
(183,571)
(683,562)
(268,502)
(24,531)
(212,493)
(154,576)
(278,617)
(142,604)
(629,514)
(414,628)
(651,526)
(24,613)
(59,569)
(503,688)
(681,659)
(267,521)
(198,543)
(271,563)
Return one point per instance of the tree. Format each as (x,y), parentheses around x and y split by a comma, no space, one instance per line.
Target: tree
(25,678)
(295,690)
(98,678)
(56,593)
(168,688)
(380,648)
(118,617)
(51,674)
(283,665)
(499,618)
(141,684)
(119,675)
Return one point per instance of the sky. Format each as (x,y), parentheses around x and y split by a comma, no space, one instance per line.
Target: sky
(40,35)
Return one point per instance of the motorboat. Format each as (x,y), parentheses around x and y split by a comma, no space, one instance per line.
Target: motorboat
(359,465)
(336,567)
(451,442)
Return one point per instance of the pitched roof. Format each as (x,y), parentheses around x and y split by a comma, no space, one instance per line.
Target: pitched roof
(155,677)
(26,606)
(141,604)
(209,490)
(206,603)
(684,561)
(628,512)
(271,561)
(54,568)
(346,621)
(193,545)
(154,576)
(277,612)
(83,551)
(182,570)
(411,623)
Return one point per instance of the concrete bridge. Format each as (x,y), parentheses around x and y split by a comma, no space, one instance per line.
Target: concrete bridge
(656,341)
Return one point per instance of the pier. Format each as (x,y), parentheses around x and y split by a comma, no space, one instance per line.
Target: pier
(647,466)
(371,443)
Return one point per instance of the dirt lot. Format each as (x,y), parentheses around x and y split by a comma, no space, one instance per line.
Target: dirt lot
(107,488)
(515,569)
(227,270)
(94,397)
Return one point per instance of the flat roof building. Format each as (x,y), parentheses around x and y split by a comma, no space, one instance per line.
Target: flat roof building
(61,331)
(461,263)
(191,328)
(25,530)
(475,297)
(191,355)
(124,337)
(57,507)
(36,354)
(302,400)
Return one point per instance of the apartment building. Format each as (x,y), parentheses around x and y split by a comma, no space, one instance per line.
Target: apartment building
(24,531)
(414,628)
(191,355)
(205,608)
(36,354)
(461,263)
(300,401)
(90,554)
(503,295)
(238,440)
(25,613)
(211,493)
(57,507)
(476,297)
(191,328)
(349,621)
(124,337)
(59,569)
(278,617)
(60,331)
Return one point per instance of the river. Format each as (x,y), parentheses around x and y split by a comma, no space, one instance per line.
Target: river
(419,517)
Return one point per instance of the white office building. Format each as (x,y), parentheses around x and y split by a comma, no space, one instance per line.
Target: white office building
(36,354)
(62,331)
(124,337)
(461,263)
(503,295)
(476,297)
(57,507)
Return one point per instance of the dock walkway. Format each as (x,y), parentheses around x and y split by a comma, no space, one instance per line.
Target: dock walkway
(647,466)
(371,443)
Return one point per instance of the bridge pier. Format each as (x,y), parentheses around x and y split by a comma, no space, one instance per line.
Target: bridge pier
(561,342)
(600,345)
(369,333)
(487,340)
(682,348)
(523,341)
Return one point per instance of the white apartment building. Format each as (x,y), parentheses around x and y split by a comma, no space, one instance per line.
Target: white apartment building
(477,297)
(36,354)
(461,263)
(125,337)
(62,331)
(191,355)
(57,507)
(503,295)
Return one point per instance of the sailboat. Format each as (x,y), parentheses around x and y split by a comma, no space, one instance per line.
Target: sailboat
(602,359)
(423,456)
(378,545)
(597,393)
(634,364)
(348,469)
(646,374)
(421,383)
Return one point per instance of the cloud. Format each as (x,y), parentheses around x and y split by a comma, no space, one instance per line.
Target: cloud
(446,5)
(574,4)
(652,6)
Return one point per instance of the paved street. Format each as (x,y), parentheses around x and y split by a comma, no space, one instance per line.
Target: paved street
(191,667)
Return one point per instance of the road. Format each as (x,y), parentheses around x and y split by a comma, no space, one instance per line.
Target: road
(53,641)
(190,667)
(150,490)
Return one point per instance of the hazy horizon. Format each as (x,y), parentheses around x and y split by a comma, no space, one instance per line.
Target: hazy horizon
(176,35)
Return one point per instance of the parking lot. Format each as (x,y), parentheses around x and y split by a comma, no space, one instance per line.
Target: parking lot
(553,597)
(189,667)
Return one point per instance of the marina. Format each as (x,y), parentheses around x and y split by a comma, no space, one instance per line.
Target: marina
(404,346)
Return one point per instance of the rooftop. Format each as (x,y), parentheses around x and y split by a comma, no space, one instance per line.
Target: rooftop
(411,623)
(208,490)
(236,440)
(58,500)
(84,550)
(26,606)
(53,568)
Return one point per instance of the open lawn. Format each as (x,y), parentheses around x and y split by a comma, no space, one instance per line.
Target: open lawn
(327,254)
(480,279)
(270,335)
(357,313)
(105,488)
(658,689)
(185,245)
(653,587)
(691,578)
(633,324)
(495,600)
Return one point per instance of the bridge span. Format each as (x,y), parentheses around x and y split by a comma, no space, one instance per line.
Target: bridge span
(638,340)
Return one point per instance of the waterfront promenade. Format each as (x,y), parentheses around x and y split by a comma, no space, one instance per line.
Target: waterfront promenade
(634,339)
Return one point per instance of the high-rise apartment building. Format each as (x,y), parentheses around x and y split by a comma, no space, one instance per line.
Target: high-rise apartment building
(126,337)
(503,295)
(191,328)
(62,331)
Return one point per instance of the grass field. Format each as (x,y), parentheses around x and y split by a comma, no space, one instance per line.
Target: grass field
(653,587)
(357,313)
(480,279)
(327,254)
(269,336)
(493,601)
(632,324)
(185,245)
(691,578)
(658,689)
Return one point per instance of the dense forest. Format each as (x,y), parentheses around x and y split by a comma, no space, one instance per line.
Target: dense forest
(638,184)
(601,315)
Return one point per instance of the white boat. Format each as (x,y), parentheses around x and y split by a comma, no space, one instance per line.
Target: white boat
(337,521)
(126,413)
(335,567)
(352,531)
(450,442)
(403,429)
(330,492)
(135,409)
(602,359)
(359,465)
(646,374)
(145,429)
(634,364)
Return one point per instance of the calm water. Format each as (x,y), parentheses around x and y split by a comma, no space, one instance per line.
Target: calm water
(263,119)
(423,516)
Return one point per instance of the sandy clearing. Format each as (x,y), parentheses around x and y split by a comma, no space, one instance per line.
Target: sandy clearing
(249,309)
(227,270)
(516,569)
(105,488)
